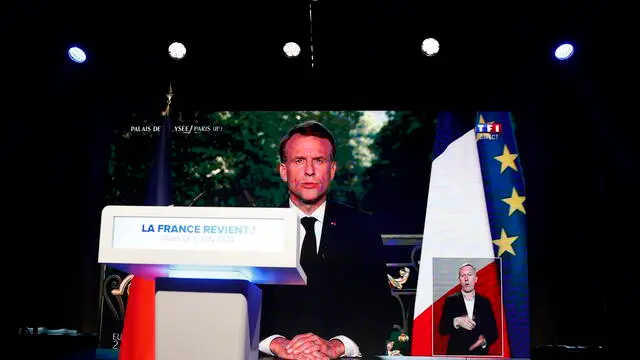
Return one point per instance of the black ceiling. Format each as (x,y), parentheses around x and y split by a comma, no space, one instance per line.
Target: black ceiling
(367,50)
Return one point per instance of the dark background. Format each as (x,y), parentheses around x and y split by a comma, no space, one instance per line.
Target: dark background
(576,145)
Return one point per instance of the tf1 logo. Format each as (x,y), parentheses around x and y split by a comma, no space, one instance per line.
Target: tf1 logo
(488,131)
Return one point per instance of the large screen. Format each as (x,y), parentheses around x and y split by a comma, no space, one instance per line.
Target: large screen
(420,181)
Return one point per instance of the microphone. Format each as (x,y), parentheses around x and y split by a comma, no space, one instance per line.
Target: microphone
(193,201)
(247,196)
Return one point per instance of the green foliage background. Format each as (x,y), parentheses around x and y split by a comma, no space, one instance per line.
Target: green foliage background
(239,152)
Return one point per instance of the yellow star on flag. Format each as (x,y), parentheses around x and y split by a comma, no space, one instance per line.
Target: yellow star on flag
(480,136)
(507,159)
(516,202)
(504,243)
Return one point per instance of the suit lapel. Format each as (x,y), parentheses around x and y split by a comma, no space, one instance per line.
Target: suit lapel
(463,306)
(475,308)
(328,227)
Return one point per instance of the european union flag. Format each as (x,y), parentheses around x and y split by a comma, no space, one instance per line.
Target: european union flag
(503,180)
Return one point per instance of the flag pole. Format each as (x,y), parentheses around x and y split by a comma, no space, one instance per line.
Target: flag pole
(138,333)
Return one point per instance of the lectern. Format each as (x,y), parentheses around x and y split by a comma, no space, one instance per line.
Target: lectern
(206,262)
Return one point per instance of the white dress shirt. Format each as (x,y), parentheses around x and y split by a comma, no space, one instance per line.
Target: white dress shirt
(351,349)
(470,304)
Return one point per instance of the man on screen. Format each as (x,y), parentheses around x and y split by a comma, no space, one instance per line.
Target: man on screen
(343,310)
(468,318)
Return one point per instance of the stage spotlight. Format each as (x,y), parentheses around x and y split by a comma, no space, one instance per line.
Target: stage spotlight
(77,55)
(291,49)
(564,51)
(430,46)
(177,51)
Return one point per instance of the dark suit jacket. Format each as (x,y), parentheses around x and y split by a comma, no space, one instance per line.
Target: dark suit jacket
(461,339)
(347,291)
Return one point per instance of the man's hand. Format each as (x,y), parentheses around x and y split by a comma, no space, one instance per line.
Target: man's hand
(278,348)
(311,346)
(464,322)
(480,342)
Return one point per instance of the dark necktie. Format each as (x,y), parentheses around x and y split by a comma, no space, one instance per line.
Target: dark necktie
(308,255)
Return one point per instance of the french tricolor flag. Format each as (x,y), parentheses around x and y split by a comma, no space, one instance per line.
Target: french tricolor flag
(475,213)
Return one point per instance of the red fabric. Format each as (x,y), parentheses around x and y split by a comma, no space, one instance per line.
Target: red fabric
(138,334)
(422,337)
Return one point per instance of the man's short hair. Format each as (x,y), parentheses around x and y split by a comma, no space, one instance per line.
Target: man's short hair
(308,128)
(467,264)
